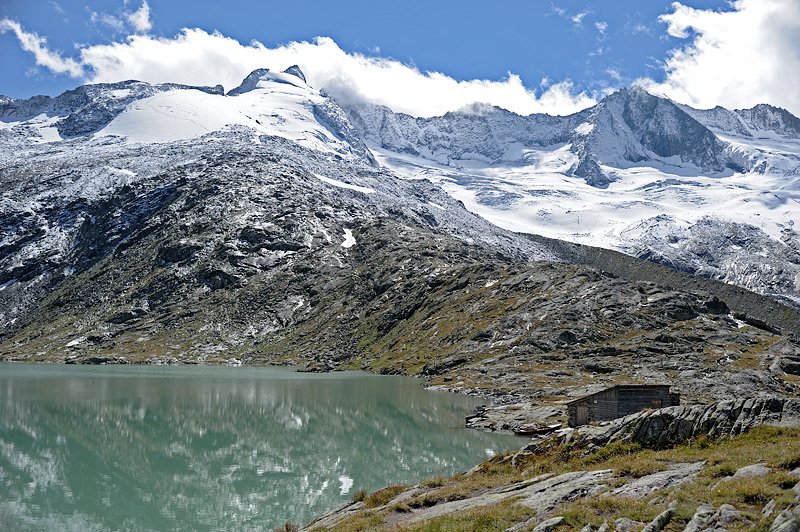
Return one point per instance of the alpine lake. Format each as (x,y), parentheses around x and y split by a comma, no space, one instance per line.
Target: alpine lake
(216,448)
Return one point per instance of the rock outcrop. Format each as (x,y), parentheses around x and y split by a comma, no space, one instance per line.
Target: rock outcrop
(667,427)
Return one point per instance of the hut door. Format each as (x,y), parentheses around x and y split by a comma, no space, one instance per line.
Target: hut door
(582,415)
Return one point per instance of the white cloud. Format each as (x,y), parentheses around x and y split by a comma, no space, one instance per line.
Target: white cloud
(140,19)
(737,58)
(31,42)
(577,19)
(601,26)
(196,57)
(115,23)
(58,9)
(614,74)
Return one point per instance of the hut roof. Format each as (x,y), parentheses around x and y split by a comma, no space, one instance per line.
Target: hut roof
(619,387)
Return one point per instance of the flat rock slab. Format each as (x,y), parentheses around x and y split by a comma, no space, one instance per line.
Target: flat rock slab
(627,525)
(549,525)
(333,518)
(517,417)
(644,486)
(542,494)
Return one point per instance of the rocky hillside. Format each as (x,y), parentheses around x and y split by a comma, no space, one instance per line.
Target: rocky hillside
(256,258)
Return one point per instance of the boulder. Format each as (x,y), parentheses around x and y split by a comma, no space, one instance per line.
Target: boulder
(752,471)
(661,520)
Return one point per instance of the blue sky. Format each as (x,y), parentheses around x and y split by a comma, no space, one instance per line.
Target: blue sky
(594,45)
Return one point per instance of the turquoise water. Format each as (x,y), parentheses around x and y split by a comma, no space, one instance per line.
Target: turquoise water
(215,448)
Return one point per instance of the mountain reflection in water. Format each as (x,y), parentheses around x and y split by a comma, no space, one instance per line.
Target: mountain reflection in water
(197,448)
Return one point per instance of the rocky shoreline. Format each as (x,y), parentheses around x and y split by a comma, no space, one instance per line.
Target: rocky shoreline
(548,500)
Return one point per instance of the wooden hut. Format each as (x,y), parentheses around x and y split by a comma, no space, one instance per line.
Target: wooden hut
(619,401)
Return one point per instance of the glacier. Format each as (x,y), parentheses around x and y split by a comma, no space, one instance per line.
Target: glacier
(712,192)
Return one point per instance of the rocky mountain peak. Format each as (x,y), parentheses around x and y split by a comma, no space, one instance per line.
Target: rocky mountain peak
(765,117)
(294,70)
(255,79)
(250,82)
(632,125)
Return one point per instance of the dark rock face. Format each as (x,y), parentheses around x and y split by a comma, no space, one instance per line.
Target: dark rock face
(666,130)
(764,117)
(295,71)
(790,365)
(126,316)
(250,82)
(178,252)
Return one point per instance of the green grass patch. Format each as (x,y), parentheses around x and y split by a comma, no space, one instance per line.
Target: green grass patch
(382,496)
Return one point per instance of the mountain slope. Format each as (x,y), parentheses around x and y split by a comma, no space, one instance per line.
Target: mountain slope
(247,255)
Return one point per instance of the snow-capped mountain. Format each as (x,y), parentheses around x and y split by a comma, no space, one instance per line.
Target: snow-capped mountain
(157,222)
(272,103)
(234,185)
(714,192)
(129,209)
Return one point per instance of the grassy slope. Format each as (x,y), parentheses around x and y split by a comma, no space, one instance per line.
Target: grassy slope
(778,448)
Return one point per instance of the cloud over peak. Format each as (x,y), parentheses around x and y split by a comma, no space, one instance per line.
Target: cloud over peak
(737,58)
(196,57)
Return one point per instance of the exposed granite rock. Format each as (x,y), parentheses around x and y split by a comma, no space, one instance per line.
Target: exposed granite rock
(707,519)
(523,417)
(334,517)
(565,487)
(769,508)
(789,519)
(549,525)
(541,494)
(671,426)
(701,520)
(625,524)
(676,474)
(752,471)
(660,521)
